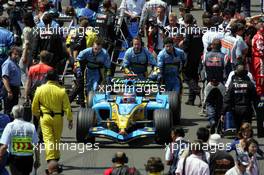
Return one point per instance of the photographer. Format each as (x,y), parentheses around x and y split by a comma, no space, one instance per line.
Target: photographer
(156,29)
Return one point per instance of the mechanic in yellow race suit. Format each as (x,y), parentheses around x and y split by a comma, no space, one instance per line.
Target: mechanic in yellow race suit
(21,140)
(50,103)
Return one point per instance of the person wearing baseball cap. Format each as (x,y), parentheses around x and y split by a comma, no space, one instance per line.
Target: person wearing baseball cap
(242,163)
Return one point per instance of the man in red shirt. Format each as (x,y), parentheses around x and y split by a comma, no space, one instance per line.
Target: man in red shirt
(36,77)
(37,74)
(257,64)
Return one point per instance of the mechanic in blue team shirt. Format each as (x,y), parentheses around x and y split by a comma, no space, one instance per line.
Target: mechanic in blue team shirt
(137,58)
(170,62)
(21,140)
(97,60)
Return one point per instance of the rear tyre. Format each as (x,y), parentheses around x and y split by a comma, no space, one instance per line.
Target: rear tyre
(85,120)
(163,124)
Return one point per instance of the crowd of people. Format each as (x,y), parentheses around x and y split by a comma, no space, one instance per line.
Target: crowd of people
(226,54)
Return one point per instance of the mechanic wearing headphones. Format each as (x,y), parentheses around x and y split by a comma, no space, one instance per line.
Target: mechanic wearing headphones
(119,160)
(137,58)
(11,76)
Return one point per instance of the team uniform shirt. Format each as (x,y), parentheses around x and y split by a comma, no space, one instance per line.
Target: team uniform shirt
(257,63)
(194,165)
(20,136)
(235,171)
(229,79)
(95,61)
(170,64)
(138,62)
(11,69)
(133,6)
(214,63)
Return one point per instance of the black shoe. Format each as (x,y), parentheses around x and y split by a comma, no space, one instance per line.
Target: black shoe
(189,103)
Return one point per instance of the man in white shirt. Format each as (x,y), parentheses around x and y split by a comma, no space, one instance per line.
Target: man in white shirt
(240,167)
(193,164)
(149,11)
(133,8)
(211,34)
(241,45)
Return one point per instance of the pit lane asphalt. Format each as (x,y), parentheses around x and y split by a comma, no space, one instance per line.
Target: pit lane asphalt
(94,162)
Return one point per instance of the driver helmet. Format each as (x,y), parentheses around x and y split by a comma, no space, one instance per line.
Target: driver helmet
(129,97)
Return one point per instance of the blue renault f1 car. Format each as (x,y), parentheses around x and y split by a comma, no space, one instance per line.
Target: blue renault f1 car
(127,117)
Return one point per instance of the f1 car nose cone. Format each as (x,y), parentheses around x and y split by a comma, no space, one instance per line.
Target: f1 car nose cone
(122,132)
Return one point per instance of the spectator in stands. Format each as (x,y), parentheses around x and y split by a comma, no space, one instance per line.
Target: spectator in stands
(11,75)
(154,166)
(119,166)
